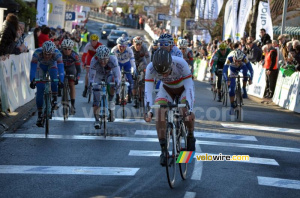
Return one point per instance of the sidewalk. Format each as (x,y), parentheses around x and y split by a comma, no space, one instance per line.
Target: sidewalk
(17,118)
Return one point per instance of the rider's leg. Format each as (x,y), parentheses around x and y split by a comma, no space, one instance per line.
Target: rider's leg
(129,78)
(96,107)
(245,79)
(111,103)
(219,84)
(72,95)
(86,80)
(232,94)
(39,102)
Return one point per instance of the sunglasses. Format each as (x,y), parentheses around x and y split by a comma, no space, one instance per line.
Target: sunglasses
(182,48)
(103,59)
(67,49)
(164,44)
(122,45)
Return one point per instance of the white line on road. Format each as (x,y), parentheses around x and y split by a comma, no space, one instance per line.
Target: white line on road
(261,128)
(277,182)
(93,119)
(252,160)
(189,194)
(198,168)
(67,170)
(80,81)
(134,139)
(205,135)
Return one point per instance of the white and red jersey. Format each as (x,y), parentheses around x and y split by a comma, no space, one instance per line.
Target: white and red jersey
(88,53)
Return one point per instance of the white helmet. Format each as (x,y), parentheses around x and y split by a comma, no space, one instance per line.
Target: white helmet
(166,38)
(238,54)
(122,41)
(138,40)
(67,43)
(102,52)
(49,47)
(182,43)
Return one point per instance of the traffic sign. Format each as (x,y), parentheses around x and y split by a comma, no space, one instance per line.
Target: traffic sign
(149,8)
(70,16)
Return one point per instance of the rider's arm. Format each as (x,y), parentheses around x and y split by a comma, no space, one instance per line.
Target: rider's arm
(34,62)
(249,66)
(60,66)
(188,83)
(92,72)
(149,83)
(85,51)
(132,60)
(215,59)
(116,70)
(147,55)
(225,72)
(77,65)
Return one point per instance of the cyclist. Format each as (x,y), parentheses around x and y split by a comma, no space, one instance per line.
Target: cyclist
(72,67)
(187,53)
(219,60)
(141,56)
(235,66)
(244,60)
(166,41)
(46,59)
(126,60)
(153,48)
(88,53)
(176,78)
(104,67)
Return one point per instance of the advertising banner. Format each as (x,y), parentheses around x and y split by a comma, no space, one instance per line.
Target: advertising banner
(41,17)
(264,19)
(57,10)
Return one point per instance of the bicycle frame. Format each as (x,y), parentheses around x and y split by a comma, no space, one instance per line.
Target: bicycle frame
(66,96)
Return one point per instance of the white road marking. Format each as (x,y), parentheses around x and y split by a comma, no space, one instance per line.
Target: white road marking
(93,119)
(261,128)
(205,135)
(80,82)
(252,160)
(277,182)
(189,194)
(198,167)
(67,170)
(134,139)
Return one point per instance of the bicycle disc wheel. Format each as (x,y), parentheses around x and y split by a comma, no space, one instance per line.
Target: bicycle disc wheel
(65,104)
(47,114)
(170,154)
(104,118)
(182,145)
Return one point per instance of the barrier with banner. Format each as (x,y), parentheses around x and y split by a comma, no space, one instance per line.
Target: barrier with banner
(14,74)
(258,82)
(287,92)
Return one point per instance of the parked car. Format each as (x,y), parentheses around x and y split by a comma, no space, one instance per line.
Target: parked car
(114,35)
(106,29)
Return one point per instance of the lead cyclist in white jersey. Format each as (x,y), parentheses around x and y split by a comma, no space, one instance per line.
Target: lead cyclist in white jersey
(125,58)
(176,79)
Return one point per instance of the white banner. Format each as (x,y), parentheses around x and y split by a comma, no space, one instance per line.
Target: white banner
(57,10)
(245,7)
(264,19)
(212,9)
(15,80)
(202,8)
(235,5)
(227,26)
(178,7)
(197,10)
(41,17)
(172,4)
(258,82)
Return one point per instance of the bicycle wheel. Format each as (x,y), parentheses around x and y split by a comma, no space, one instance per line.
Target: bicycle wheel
(170,154)
(104,115)
(65,103)
(182,145)
(225,94)
(89,97)
(142,105)
(47,113)
(238,111)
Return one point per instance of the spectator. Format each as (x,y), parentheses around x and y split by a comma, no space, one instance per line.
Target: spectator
(36,33)
(271,70)
(8,35)
(243,45)
(249,38)
(297,57)
(264,36)
(203,52)
(44,36)
(20,43)
(295,44)
(282,46)
(254,53)
(228,42)
(276,46)
(203,43)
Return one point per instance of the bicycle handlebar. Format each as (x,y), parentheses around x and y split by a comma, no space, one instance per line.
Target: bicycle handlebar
(104,83)
(168,106)
(46,80)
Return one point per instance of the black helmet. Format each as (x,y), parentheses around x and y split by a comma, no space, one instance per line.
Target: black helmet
(162,61)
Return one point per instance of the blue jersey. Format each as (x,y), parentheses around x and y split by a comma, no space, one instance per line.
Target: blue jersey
(234,70)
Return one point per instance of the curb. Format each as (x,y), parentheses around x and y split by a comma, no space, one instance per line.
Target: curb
(17,118)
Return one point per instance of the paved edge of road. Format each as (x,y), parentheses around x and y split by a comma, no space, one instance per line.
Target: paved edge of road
(17,118)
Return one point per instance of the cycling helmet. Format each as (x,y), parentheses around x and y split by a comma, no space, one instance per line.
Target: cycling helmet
(223,46)
(166,38)
(122,41)
(154,42)
(94,37)
(182,43)
(102,52)
(238,54)
(138,40)
(67,43)
(162,61)
(49,47)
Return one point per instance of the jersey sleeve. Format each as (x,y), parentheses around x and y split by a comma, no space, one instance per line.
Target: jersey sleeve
(149,84)
(132,60)
(116,69)
(93,71)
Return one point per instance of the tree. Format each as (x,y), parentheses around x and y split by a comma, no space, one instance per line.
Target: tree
(27,14)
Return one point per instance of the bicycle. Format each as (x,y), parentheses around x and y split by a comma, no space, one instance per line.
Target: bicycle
(224,93)
(103,113)
(176,137)
(47,107)
(65,97)
(238,100)
(123,92)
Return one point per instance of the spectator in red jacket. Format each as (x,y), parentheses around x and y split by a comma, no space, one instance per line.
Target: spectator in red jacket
(44,36)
